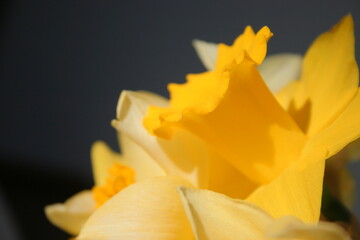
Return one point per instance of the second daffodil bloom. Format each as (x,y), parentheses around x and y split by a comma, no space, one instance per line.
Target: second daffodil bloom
(225,130)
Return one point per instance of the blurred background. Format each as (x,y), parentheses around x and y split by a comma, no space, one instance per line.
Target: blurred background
(64,63)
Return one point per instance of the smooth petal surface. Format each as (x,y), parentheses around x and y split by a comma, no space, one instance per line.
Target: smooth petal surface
(279,70)
(214,216)
(297,191)
(135,157)
(184,155)
(329,78)
(71,215)
(291,228)
(207,52)
(226,179)
(286,94)
(102,159)
(345,129)
(147,210)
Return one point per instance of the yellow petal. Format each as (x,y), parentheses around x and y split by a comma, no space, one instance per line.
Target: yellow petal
(254,45)
(214,216)
(207,52)
(297,191)
(286,94)
(102,158)
(291,228)
(279,70)
(71,215)
(150,209)
(184,155)
(240,118)
(345,129)
(329,78)
(226,179)
(135,157)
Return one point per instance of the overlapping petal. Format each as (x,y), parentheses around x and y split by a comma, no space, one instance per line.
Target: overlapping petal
(147,210)
(71,215)
(297,191)
(329,79)
(277,70)
(103,158)
(245,117)
(207,52)
(184,155)
(214,216)
(289,227)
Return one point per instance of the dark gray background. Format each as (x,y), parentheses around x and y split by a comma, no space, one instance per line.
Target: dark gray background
(64,63)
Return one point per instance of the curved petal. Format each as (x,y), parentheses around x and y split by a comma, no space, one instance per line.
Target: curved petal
(245,117)
(207,53)
(297,191)
(278,70)
(71,215)
(291,228)
(329,78)
(214,216)
(250,44)
(135,157)
(184,155)
(103,158)
(345,129)
(286,94)
(150,209)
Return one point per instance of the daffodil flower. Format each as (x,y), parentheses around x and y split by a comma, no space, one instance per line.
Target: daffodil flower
(279,148)
(74,212)
(284,69)
(225,131)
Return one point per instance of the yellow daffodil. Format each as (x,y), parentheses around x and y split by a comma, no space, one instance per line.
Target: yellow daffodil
(278,148)
(224,130)
(74,212)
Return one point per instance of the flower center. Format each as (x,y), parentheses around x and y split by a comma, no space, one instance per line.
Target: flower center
(119,177)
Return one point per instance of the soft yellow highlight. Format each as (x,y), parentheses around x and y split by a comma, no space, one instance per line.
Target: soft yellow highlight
(119,177)
(71,215)
(149,209)
(133,156)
